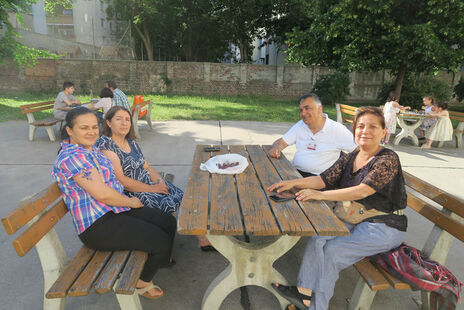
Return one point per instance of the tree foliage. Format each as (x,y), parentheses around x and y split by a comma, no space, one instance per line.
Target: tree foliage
(403,36)
(332,88)
(10,48)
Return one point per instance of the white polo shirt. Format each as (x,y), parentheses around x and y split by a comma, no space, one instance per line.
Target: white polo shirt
(317,152)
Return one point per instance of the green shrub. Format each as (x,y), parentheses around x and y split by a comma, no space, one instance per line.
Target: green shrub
(415,88)
(332,88)
(459,90)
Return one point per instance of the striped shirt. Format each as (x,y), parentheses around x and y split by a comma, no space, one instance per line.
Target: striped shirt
(75,160)
(121,99)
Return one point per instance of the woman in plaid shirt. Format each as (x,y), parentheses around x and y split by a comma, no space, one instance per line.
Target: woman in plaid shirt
(104,218)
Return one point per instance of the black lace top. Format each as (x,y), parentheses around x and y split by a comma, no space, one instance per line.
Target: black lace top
(383,173)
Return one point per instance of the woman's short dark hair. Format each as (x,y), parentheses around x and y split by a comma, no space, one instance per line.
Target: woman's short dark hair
(71,119)
(109,116)
(443,105)
(106,92)
(368,110)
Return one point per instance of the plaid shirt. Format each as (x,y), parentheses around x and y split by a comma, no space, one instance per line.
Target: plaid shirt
(121,99)
(74,160)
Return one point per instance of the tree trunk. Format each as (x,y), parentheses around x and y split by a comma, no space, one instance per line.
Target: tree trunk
(145,36)
(243,52)
(400,79)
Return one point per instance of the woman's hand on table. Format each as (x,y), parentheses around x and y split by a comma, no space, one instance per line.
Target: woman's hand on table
(135,203)
(307,194)
(281,186)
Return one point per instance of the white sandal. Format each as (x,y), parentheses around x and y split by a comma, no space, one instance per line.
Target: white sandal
(144,290)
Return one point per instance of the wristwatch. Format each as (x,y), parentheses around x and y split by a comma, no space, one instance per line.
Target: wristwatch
(157,181)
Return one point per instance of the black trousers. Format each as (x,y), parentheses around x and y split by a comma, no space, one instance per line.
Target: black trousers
(143,229)
(306,174)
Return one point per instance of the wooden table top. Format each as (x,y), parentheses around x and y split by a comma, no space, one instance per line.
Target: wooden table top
(86,105)
(239,204)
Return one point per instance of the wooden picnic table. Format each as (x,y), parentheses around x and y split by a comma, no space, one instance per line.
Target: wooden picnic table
(407,130)
(223,206)
(88,105)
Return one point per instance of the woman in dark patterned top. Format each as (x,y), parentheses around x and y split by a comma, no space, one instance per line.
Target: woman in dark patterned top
(370,175)
(132,170)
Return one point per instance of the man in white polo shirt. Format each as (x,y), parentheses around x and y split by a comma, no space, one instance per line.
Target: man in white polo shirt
(318,139)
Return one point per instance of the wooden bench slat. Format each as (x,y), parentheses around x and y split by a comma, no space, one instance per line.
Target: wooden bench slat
(33,234)
(192,218)
(45,122)
(442,220)
(441,197)
(32,110)
(371,275)
(33,105)
(394,281)
(257,215)
(131,273)
(60,288)
(291,219)
(225,215)
(83,284)
(110,274)
(29,207)
(318,213)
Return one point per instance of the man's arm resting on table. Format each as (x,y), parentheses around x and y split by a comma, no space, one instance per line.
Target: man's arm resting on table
(277,148)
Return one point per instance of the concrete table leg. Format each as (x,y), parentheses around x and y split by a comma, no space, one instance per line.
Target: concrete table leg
(250,264)
(407,131)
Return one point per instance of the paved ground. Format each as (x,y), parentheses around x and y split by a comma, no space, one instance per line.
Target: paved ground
(25,169)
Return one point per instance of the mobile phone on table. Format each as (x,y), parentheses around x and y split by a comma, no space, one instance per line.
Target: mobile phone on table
(282,196)
(212,149)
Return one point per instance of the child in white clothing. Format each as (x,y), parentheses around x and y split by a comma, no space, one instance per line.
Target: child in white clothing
(442,130)
(390,109)
(106,101)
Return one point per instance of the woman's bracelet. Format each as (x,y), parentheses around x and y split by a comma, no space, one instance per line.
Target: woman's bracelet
(157,181)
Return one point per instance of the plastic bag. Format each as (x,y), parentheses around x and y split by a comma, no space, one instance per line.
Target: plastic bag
(225,164)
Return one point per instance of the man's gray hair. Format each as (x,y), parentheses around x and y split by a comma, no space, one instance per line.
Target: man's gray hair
(310,95)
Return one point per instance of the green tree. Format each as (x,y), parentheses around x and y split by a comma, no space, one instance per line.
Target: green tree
(404,36)
(139,13)
(245,20)
(9,47)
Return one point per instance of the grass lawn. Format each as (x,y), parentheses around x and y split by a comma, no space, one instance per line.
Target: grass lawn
(241,108)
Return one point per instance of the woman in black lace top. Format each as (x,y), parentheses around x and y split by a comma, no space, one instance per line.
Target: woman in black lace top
(370,175)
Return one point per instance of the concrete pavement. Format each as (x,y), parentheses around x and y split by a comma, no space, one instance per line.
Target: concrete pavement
(25,169)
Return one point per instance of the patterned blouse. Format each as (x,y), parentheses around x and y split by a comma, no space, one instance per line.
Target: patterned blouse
(384,174)
(73,160)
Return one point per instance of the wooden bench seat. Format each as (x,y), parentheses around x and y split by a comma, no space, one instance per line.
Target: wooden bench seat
(457,132)
(102,271)
(448,226)
(345,113)
(148,105)
(48,123)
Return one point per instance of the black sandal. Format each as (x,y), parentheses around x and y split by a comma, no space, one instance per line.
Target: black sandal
(292,294)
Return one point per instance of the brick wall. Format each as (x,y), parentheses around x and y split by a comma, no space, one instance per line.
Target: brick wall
(183,78)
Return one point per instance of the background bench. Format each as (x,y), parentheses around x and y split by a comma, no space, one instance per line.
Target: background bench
(48,123)
(103,271)
(448,225)
(457,132)
(146,117)
(345,113)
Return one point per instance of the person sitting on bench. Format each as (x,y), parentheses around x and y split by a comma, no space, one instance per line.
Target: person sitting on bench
(373,177)
(64,99)
(318,139)
(104,218)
